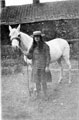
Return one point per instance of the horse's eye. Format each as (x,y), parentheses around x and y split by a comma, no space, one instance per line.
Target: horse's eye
(19,35)
(9,35)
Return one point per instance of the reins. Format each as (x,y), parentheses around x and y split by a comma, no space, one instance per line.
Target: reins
(18,38)
(27,72)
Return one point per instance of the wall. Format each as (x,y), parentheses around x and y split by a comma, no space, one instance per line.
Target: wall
(67,29)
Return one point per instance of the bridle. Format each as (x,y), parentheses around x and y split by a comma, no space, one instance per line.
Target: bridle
(17,38)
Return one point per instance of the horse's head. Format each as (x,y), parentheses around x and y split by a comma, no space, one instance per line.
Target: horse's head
(14,36)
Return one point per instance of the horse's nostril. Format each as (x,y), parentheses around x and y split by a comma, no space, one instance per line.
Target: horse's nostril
(9,36)
(19,35)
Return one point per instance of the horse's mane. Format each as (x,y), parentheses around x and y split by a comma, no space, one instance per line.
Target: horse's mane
(29,37)
(27,40)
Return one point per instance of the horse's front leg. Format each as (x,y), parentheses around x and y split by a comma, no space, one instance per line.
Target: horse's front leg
(61,71)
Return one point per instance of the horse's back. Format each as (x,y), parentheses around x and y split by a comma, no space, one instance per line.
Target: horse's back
(57,47)
(57,42)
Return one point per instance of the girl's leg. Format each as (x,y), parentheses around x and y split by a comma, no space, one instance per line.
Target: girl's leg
(44,82)
(38,83)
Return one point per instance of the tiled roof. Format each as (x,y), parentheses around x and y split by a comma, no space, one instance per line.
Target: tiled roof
(40,12)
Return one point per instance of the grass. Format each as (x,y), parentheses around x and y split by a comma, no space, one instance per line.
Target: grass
(62,102)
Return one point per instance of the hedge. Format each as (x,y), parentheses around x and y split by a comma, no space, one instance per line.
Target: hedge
(7,52)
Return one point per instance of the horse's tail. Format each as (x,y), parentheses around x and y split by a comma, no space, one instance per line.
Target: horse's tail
(66,54)
(67,59)
(66,51)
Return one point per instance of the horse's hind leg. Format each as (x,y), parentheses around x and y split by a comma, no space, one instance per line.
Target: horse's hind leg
(69,65)
(61,70)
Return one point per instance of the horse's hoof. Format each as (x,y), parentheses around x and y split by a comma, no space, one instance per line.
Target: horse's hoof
(60,81)
(70,82)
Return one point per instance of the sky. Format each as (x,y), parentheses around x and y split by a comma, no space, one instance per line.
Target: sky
(22,2)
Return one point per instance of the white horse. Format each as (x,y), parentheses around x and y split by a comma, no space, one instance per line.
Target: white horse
(59,48)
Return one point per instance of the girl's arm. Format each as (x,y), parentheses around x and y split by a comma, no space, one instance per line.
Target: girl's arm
(29,54)
(47,56)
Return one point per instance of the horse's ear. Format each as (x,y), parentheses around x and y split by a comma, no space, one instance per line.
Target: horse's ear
(10,27)
(18,28)
(31,36)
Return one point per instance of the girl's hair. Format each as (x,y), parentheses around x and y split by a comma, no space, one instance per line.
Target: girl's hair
(40,43)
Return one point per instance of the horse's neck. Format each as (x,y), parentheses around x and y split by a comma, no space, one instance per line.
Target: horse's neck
(26,41)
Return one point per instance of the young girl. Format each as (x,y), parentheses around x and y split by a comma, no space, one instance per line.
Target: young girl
(39,53)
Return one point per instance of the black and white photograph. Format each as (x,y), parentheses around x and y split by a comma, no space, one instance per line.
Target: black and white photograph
(39,60)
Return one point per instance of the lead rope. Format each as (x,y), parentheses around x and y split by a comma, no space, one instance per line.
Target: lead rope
(27,73)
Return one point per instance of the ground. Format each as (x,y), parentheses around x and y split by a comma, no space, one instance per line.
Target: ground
(62,103)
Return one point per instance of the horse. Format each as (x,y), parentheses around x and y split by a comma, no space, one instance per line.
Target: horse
(59,48)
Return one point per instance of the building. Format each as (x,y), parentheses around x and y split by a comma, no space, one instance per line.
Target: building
(55,19)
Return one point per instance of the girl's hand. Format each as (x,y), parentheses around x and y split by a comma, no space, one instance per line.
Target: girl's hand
(47,69)
(25,53)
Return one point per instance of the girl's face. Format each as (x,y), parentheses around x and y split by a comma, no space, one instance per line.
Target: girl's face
(37,38)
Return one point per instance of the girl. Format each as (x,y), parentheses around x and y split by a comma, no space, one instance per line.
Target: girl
(39,53)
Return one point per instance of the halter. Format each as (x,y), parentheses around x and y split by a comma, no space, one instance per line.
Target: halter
(19,39)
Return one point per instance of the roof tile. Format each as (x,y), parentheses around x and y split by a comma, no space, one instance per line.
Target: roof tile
(41,12)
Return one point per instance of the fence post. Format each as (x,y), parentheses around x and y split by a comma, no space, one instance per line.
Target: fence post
(78,54)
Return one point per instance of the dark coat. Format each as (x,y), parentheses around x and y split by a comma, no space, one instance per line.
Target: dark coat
(40,60)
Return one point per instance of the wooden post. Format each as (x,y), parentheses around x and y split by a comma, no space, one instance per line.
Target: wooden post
(2,3)
(78,54)
(36,1)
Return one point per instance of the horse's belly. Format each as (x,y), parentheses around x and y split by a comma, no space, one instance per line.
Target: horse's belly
(55,53)
(57,47)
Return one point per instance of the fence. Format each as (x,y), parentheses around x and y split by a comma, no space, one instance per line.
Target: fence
(7,52)
(12,60)
(74,45)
